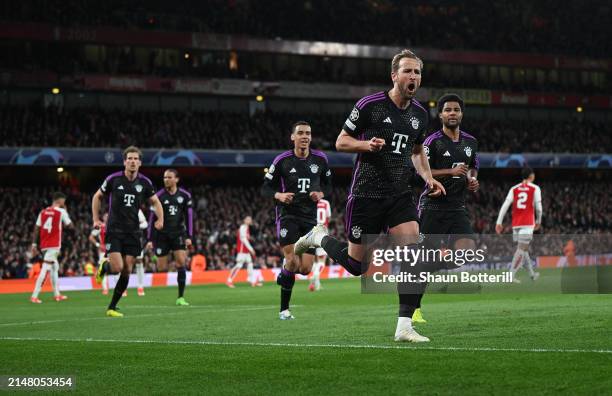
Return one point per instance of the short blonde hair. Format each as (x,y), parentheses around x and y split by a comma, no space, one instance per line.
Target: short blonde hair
(404,54)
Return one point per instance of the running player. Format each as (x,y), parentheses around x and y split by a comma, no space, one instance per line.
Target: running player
(525,198)
(453,158)
(177,233)
(387,131)
(244,254)
(127,190)
(48,228)
(297,179)
(323,216)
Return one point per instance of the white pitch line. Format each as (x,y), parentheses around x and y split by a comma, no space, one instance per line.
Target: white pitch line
(181,311)
(294,345)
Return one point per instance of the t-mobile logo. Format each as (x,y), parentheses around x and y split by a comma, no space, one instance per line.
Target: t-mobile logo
(303,184)
(128,199)
(399,142)
(173,210)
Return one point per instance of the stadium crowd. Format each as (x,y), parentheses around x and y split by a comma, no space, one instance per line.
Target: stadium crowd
(521,26)
(570,207)
(61,127)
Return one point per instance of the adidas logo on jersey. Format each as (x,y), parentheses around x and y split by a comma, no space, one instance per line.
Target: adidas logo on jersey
(447,154)
(166,202)
(292,170)
(120,188)
(388,120)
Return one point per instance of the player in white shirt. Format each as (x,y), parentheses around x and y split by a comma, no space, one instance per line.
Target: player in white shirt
(244,254)
(48,228)
(525,199)
(140,272)
(323,216)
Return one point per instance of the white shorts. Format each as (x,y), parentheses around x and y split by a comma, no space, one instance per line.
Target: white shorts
(522,234)
(50,255)
(242,258)
(321,252)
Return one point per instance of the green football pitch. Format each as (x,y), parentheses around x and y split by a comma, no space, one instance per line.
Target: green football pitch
(230,341)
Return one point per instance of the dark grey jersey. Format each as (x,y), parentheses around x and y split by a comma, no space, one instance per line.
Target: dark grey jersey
(387,172)
(443,153)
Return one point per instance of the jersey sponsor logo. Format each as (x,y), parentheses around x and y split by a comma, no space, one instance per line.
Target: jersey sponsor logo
(387,120)
(399,142)
(120,188)
(173,210)
(356,232)
(354,115)
(447,154)
(180,200)
(283,232)
(129,199)
(292,170)
(415,122)
(138,188)
(303,184)
(468,151)
(314,168)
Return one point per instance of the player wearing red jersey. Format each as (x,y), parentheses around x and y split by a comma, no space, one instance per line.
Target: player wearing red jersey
(244,254)
(323,216)
(526,201)
(48,228)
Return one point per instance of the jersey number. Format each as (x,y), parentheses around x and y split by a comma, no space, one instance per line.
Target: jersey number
(48,224)
(321,215)
(522,198)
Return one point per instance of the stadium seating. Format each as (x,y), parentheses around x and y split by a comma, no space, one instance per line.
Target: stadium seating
(35,126)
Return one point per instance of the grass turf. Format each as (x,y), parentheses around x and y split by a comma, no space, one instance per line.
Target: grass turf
(230,341)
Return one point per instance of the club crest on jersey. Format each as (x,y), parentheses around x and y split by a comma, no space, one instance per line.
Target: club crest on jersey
(354,114)
(468,151)
(356,232)
(415,122)
(283,232)
(314,168)
(138,188)
(180,200)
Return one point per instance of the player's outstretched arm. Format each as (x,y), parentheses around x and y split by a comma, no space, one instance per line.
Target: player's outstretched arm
(345,143)
(421,164)
(96,203)
(159,211)
(502,212)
